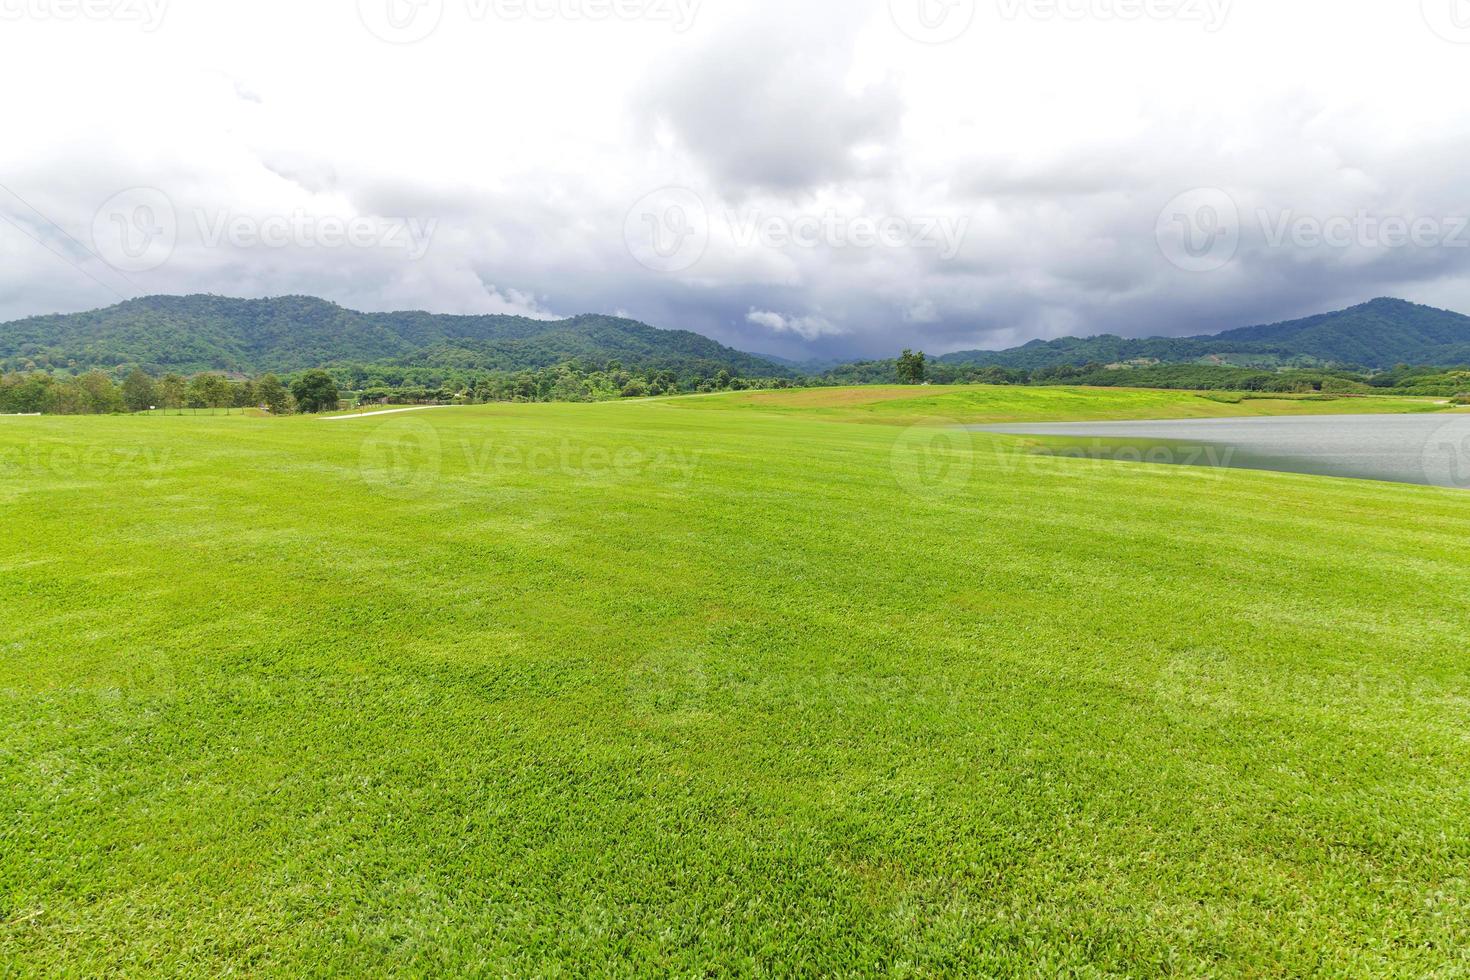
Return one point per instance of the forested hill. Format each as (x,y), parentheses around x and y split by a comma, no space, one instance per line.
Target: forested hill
(1379,334)
(188,334)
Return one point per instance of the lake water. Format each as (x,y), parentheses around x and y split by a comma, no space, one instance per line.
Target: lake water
(1430,449)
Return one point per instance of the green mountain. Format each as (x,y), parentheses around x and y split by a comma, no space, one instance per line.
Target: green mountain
(190,334)
(1378,335)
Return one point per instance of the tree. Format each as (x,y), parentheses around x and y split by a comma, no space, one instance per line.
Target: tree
(24,394)
(911,368)
(99,395)
(315,391)
(64,398)
(242,395)
(171,391)
(138,393)
(209,391)
(273,395)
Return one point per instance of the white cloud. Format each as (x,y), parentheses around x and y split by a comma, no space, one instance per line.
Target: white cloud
(805,327)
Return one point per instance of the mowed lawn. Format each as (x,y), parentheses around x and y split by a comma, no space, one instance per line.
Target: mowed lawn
(899,405)
(639,689)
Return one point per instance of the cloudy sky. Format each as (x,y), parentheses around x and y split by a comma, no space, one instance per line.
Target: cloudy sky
(817,178)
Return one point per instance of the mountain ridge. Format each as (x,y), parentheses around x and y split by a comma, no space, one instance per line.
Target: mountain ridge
(206,332)
(286,334)
(1378,334)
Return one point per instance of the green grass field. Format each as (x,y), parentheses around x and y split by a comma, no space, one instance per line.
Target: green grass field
(896,405)
(719,685)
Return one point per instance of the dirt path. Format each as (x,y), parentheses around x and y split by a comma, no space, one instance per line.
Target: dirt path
(386,411)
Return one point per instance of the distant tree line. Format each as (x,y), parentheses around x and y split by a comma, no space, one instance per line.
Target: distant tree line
(100,393)
(136,390)
(97,393)
(573,381)
(911,368)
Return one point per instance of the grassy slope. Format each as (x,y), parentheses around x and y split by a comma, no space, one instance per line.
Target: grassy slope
(273,703)
(895,404)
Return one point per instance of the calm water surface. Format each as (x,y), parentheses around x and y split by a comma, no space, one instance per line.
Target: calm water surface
(1430,449)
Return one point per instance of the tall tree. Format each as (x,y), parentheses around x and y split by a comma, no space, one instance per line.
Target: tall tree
(315,391)
(138,392)
(273,395)
(209,391)
(99,395)
(911,368)
(172,390)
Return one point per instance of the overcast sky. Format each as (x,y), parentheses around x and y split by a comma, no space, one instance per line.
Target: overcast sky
(804,178)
